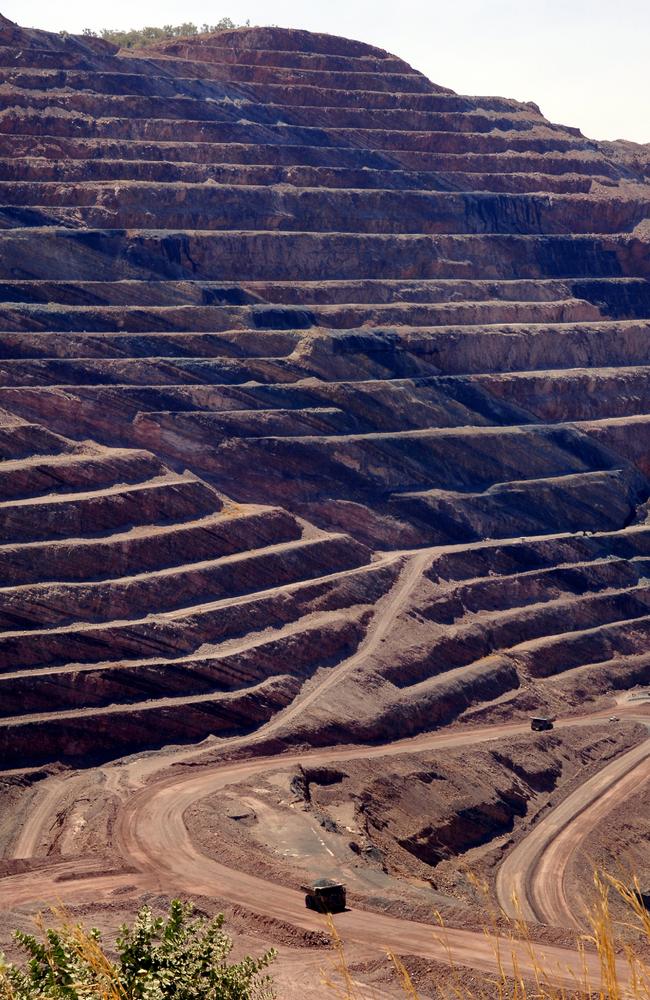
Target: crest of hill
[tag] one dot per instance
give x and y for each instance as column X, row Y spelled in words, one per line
column 296, row 40
column 260, row 41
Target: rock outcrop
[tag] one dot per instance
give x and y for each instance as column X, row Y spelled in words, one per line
column 276, row 308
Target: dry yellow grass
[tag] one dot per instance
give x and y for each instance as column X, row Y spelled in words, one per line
column 621, row 948
column 82, row 943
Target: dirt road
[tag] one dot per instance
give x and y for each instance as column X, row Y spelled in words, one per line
column 535, row 871
column 153, row 842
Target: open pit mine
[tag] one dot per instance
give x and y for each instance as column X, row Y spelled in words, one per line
column 325, row 440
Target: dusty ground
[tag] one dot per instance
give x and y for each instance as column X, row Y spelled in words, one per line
column 65, row 850
column 406, row 834
column 620, row 845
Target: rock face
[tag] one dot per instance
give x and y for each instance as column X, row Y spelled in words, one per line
column 412, row 813
column 275, row 308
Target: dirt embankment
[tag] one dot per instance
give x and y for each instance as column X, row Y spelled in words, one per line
column 619, row 845
column 410, row 830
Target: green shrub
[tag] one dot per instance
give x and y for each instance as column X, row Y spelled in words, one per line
column 180, row 957
column 139, row 37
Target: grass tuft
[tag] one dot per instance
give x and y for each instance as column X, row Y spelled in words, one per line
column 622, row 948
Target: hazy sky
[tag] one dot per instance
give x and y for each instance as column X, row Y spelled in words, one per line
column 585, row 62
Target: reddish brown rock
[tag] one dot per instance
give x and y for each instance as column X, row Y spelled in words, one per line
column 276, row 308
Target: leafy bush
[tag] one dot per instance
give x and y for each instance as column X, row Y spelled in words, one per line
column 139, row 37
column 180, row 957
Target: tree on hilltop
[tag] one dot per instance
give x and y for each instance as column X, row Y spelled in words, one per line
column 140, row 37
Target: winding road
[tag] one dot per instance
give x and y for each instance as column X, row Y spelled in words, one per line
column 158, row 853
column 534, row 873
column 156, row 847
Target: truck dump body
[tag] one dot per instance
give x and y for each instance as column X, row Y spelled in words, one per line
column 325, row 896
column 540, row 722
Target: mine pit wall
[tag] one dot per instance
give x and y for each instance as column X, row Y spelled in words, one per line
column 403, row 317
column 267, row 256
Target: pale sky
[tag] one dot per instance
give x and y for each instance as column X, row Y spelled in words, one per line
column 585, row 62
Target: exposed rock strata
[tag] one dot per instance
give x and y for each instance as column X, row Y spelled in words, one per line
column 273, row 305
